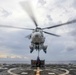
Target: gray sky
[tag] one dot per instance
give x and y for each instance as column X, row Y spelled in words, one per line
column 14, row 45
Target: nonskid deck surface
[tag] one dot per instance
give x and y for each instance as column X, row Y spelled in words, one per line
column 48, row 70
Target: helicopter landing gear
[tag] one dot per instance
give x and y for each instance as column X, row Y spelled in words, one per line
column 44, row 48
column 45, row 51
column 31, row 49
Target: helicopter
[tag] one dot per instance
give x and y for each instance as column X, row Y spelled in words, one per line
column 37, row 36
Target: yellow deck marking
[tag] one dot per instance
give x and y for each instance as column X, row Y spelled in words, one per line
column 37, row 71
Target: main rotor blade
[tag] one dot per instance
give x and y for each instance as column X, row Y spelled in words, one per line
column 6, row 26
column 51, row 34
column 27, row 7
column 69, row 22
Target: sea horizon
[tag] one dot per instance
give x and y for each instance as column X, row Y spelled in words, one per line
column 29, row 62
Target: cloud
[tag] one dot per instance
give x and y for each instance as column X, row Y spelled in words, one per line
column 50, row 12
column 70, row 49
column 3, row 56
column 42, row 2
column 13, row 56
column 4, row 13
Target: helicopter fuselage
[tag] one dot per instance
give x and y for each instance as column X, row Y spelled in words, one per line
column 37, row 40
column 37, row 37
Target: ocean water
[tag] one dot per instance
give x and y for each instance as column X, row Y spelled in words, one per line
column 15, row 62
column 29, row 62
column 18, row 61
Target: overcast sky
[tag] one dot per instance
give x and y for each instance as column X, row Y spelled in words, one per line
column 14, row 45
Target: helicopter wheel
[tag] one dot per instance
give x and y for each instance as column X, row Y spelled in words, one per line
column 44, row 48
column 31, row 49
